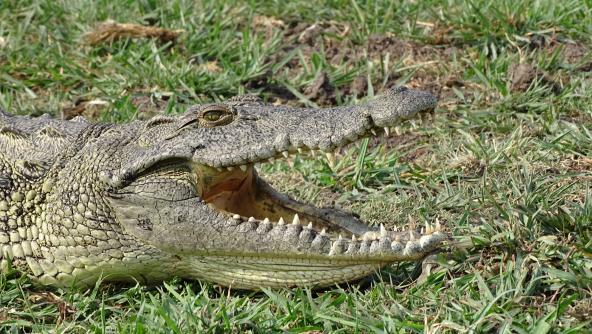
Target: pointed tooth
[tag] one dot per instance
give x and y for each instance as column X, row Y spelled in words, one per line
column 438, row 226
column 340, row 237
column 411, row 222
column 421, row 231
column 243, row 168
column 299, row 150
column 286, row 154
column 271, row 160
column 219, row 169
column 313, row 153
column 281, row 221
column 383, row 232
column 354, row 239
column 252, row 219
column 387, row 131
column 398, row 130
column 373, row 132
column 264, row 226
column 411, row 235
column 296, row 220
column 236, row 216
column 428, row 228
column 230, row 168
column 323, row 232
column 309, row 226
column 334, row 248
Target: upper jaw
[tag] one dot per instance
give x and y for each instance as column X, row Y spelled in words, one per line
column 263, row 133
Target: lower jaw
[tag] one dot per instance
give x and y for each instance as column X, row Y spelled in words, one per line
column 259, row 272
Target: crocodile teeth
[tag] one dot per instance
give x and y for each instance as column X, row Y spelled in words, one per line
column 373, row 132
column 299, row 150
column 271, row 160
column 313, row 153
column 286, row 154
column 323, row 232
column 438, row 226
column 266, row 221
column 309, row 226
column 337, row 246
column 411, row 222
column 243, row 168
column 411, row 235
column 281, row 221
column 387, row 131
column 236, row 216
column 219, row 169
column 354, row 239
column 252, row 219
column 230, row 168
column 383, row 232
column 296, row 220
column 428, row 228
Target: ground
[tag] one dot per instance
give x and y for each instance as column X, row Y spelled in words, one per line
column 505, row 165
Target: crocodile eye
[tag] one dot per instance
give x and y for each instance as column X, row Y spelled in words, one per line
column 213, row 115
column 216, row 115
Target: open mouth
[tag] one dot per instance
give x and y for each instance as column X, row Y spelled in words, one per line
column 239, row 192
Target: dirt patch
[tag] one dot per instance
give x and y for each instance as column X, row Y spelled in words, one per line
column 331, row 41
column 148, row 106
column 321, row 90
column 359, row 86
column 65, row 310
column 110, row 31
column 89, row 109
column 579, row 56
column 576, row 164
column 523, row 75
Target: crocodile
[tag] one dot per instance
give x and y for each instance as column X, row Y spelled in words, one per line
column 179, row 196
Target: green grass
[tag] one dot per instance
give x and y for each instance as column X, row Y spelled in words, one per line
column 507, row 171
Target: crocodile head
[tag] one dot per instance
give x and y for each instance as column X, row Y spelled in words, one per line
column 187, row 187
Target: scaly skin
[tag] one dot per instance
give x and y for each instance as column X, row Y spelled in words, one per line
column 179, row 196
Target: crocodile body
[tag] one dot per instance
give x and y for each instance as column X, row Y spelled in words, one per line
column 180, row 196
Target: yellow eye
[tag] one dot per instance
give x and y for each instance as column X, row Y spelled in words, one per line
column 213, row 115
